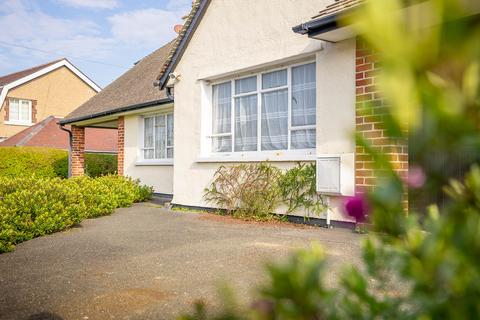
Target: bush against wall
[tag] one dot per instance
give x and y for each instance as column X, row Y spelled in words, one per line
column 50, row 163
column 256, row 190
column 99, row 164
column 299, row 190
column 246, row 190
column 31, row 207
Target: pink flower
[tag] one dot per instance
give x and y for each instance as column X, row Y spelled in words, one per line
column 357, row 208
column 416, row 177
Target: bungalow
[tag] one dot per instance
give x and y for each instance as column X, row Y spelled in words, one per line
column 144, row 118
column 246, row 89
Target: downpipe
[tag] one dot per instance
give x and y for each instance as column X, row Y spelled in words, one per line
column 70, row 142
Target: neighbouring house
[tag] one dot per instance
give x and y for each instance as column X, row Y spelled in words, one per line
column 47, row 133
column 247, row 88
column 52, row 89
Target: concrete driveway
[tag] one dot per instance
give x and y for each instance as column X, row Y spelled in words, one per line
column 146, row 262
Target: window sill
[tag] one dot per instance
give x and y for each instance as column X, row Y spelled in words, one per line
column 15, row 123
column 279, row 156
column 166, row 162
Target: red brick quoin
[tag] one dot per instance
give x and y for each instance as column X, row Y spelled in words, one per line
column 370, row 108
column 121, row 146
column 78, row 151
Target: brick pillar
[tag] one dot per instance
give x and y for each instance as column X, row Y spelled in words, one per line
column 121, row 145
column 370, row 109
column 78, row 151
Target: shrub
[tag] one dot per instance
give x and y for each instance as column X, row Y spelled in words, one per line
column 246, row 190
column 299, row 191
column 256, row 190
column 97, row 164
column 33, row 206
column 50, row 163
column 28, row 161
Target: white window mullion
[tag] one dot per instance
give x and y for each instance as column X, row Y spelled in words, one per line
column 232, row 127
column 289, row 85
column 259, row 113
column 306, row 127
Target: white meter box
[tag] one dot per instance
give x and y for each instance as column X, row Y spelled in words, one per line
column 328, row 175
column 336, row 174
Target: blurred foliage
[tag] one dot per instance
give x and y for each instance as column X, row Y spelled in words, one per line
column 424, row 264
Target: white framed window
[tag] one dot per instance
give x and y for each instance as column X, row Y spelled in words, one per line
column 157, row 137
column 19, row 111
column 268, row 111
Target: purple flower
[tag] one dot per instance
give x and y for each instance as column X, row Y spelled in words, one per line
column 416, row 177
column 357, row 208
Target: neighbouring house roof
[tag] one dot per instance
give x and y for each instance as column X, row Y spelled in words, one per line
column 16, row 79
column 327, row 19
column 191, row 22
column 47, row 133
column 133, row 89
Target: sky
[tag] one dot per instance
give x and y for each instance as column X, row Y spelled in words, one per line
column 103, row 38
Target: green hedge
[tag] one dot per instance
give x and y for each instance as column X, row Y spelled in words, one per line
column 31, row 207
column 50, row 163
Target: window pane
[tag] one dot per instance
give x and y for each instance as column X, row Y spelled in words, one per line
column 14, row 110
column 246, row 123
column 170, row 153
column 160, row 136
column 222, row 108
column 222, row 144
column 246, row 85
column 274, row 79
column 303, row 139
column 304, row 95
column 148, row 133
column 148, row 154
column 275, row 120
column 24, row 110
column 170, row 129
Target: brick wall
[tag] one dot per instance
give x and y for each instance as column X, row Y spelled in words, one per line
column 78, row 151
column 121, row 145
column 34, row 111
column 7, row 109
column 370, row 107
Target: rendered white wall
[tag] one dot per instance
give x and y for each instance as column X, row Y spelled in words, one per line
column 235, row 37
column 159, row 177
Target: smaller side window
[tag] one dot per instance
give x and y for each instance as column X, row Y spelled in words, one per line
column 157, row 137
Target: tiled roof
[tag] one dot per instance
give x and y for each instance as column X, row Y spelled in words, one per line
column 9, row 78
column 47, row 133
column 179, row 43
column 134, row 87
column 337, row 7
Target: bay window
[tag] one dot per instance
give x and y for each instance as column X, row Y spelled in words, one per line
column 157, row 137
column 274, row 110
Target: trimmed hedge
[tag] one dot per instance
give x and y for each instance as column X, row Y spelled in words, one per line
column 50, row 163
column 31, row 207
